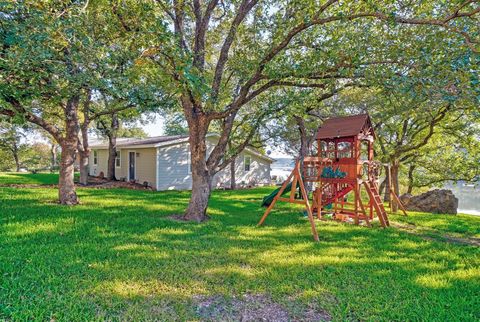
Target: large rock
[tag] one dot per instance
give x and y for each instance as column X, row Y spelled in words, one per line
column 440, row 201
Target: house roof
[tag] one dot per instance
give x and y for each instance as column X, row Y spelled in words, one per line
column 154, row 140
column 160, row 141
column 135, row 142
column 344, row 126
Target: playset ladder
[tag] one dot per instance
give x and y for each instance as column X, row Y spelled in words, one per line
column 377, row 202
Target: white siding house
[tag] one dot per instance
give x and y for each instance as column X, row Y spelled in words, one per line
column 164, row 163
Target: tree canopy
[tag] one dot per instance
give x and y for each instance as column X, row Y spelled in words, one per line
column 231, row 66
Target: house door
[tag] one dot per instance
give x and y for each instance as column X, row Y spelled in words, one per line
column 131, row 166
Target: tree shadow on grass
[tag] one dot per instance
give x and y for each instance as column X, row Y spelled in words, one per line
column 117, row 256
column 459, row 225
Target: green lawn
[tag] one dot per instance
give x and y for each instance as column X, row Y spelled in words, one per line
column 118, row 257
column 8, row 178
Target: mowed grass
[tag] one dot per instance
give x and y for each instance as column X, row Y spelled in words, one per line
column 117, row 256
column 17, row 178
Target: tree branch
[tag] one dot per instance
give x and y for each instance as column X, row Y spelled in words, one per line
column 18, row 109
column 320, row 21
column 431, row 131
column 178, row 23
column 201, row 25
column 243, row 10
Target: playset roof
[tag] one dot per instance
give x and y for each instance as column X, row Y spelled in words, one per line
column 344, row 126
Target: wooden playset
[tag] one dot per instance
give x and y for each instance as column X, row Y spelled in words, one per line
column 342, row 167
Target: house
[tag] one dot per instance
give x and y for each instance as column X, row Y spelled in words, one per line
column 163, row 162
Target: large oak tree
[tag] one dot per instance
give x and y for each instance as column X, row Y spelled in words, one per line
column 55, row 55
column 222, row 56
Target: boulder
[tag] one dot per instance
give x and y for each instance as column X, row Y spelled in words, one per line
column 440, row 201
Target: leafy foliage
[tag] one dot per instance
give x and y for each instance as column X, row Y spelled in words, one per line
column 175, row 124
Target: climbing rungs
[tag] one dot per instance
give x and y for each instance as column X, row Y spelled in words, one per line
column 377, row 203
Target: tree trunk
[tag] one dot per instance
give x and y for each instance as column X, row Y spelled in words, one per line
column 395, row 184
column 84, row 156
column 53, row 156
column 84, row 152
column 233, row 184
column 201, row 190
column 381, row 189
column 83, row 146
column 66, row 185
column 16, row 158
column 112, row 154
column 201, row 182
column 411, row 169
column 66, row 193
column 201, row 176
column 112, row 147
column 303, row 137
column 304, row 145
column 388, row 184
column 17, row 163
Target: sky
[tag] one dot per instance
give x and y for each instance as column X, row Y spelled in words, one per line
column 154, row 127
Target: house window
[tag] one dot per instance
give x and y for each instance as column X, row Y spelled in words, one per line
column 118, row 159
column 247, row 161
column 95, row 157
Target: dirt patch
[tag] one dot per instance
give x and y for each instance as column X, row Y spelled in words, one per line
column 314, row 314
column 433, row 235
column 252, row 307
column 99, row 183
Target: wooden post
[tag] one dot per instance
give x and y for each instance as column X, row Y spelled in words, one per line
column 334, row 193
column 370, row 204
column 355, row 197
column 358, row 193
column 307, row 205
column 294, row 188
column 319, row 200
column 297, row 177
column 399, row 203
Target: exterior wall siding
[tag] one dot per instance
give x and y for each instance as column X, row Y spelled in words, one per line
column 145, row 165
column 174, row 167
column 101, row 166
column 259, row 173
column 122, row 171
column 168, row 167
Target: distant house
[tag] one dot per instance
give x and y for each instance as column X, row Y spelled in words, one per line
column 164, row 163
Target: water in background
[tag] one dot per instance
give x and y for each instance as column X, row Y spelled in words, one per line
column 468, row 198
column 468, row 195
column 281, row 168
